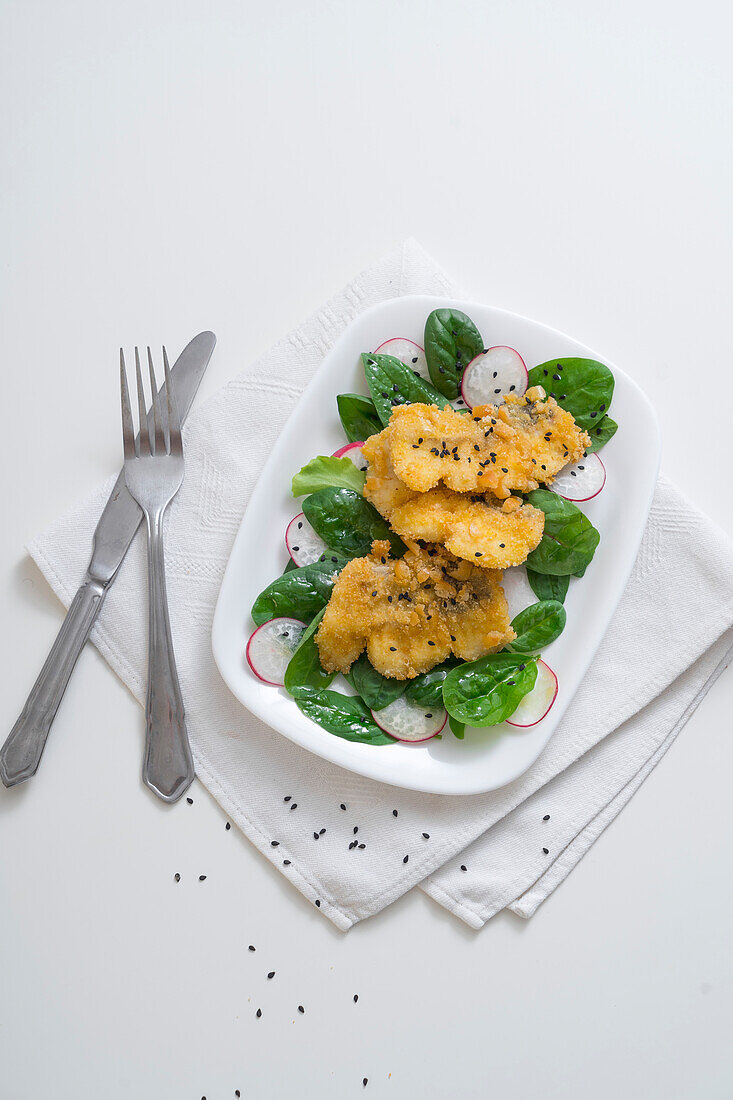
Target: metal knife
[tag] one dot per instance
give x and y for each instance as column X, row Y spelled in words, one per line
column 21, row 753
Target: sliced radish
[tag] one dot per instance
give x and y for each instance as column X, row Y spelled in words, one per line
column 491, row 375
column 406, row 721
column 408, row 352
column 517, row 590
column 581, row 481
column 354, row 452
column 304, row 545
column 537, row 703
column 271, row 646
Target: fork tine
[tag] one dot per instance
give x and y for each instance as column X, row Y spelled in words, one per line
column 128, row 430
column 145, row 447
column 161, row 447
column 174, row 421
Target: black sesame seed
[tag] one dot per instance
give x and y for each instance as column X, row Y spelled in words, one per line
column 287, row 798
column 286, row 863
column 463, row 867
column 431, row 643
column 356, row 997
column 202, row 878
column 271, row 974
column 296, row 548
column 546, row 817
column 177, row 877
column 361, row 845
column 393, row 649
column 364, row 1081
column 315, row 836
column 228, row 826
column 428, row 716
column 274, row 843
column 501, row 545
column 190, row 801
column 394, row 813
column 251, row 948
column 342, row 805
column 301, row 1010
column 294, row 806
column 356, row 829
column 478, row 554
column 318, row 903
column 405, row 859
column 426, row 836
column 258, row 1013
column 546, row 851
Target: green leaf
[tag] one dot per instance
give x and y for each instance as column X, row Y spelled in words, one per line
column 300, row 593
column 600, row 434
column 569, row 540
column 343, row 715
column 376, row 690
column 427, row 689
column 348, row 523
column 358, row 417
column 392, row 383
column 458, row 729
column 546, row 587
column 537, row 626
column 323, row 471
column 451, row 342
column 488, row 691
column 582, row 386
column 304, row 668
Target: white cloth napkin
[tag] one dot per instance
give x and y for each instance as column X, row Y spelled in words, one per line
column 635, row 698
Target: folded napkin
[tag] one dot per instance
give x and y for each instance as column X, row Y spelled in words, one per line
column 474, row 855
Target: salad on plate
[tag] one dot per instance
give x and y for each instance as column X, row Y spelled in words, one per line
column 460, row 466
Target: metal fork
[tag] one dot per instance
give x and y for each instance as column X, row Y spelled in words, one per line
column 154, row 472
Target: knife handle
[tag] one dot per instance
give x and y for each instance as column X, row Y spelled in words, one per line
column 22, row 751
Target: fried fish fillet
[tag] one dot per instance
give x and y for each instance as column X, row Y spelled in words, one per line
column 512, row 448
column 481, row 529
column 412, row 613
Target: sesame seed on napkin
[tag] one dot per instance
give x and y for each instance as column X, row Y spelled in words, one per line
column 475, row 855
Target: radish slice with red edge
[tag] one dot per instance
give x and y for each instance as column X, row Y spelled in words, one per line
column 581, row 481
column 304, row 545
column 406, row 721
column 538, row 702
column 270, row 648
column 491, row 375
column 408, row 352
column 352, row 451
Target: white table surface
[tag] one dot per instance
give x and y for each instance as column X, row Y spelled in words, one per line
column 173, row 166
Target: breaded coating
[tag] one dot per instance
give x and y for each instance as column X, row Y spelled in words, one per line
column 484, row 531
column 410, row 614
column 383, row 488
column 481, row 529
column 513, row 448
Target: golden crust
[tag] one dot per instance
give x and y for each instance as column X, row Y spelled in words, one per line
column 513, row 448
column 410, row 614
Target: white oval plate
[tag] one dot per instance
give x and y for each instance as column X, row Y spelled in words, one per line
column 487, row 758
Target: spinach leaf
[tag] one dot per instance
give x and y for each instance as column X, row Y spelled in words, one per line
column 485, row 692
column 304, row 668
column 601, row 433
column 323, row 471
column 451, row 342
column 458, row 729
column 300, row 592
column 546, row 587
column 427, row 690
column 392, row 383
column 358, row 417
column 582, row 386
column 376, row 690
column 348, row 523
column 537, row 626
column 343, row 715
column 569, row 540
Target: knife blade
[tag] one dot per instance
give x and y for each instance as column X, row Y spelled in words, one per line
column 122, row 515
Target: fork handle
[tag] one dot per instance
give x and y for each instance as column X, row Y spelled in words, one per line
column 168, row 767
column 22, row 751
